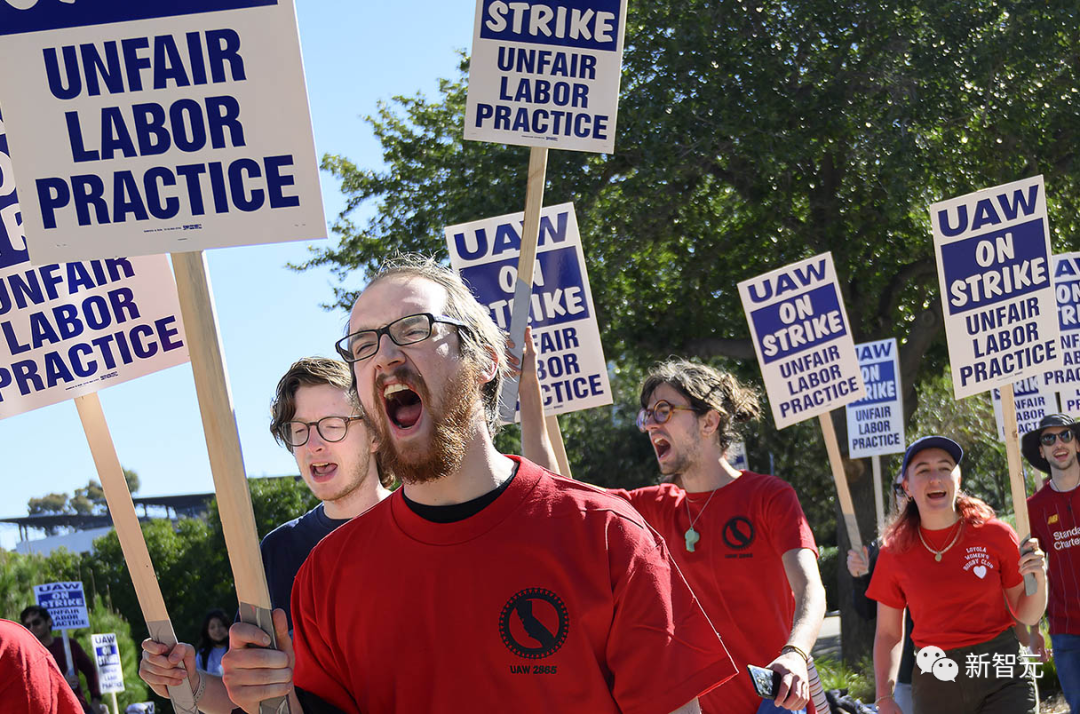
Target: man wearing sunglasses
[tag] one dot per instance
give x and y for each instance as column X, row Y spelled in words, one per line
column 740, row 538
column 1054, row 511
column 485, row 583
column 316, row 417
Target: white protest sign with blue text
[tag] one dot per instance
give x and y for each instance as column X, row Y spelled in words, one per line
column 1066, row 379
column 993, row 258
column 800, row 332
column 107, row 660
column 570, row 359
column 66, row 604
column 875, row 424
column 143, row 128
column 736, row 456
column 1034, row 400
column 546, row 73
column 68, row 329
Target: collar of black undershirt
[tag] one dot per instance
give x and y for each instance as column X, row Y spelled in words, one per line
column 457, row 511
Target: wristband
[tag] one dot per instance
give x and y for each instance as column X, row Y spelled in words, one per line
column 796, row 650
column 201, row 688
column 882, row 698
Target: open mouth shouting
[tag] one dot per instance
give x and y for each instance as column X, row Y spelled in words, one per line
column 403, row 406
column 661, row 445
column 323, row 471
column 936, row 496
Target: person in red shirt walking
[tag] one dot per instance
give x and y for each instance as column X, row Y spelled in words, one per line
column 1055, row 520
column 38, row 620
column 961, row 573
column 740, row 537
column 30, row 681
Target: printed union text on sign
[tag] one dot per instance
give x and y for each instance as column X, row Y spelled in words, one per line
column 875, row 423
column 66, row 604
column 107, row 660
column 69, row 329
column 1066, row 378
column 570, row 359
column 993, row 258
column 1033, row 399
column 167, row 129
column 800, row 332
column 546, row 73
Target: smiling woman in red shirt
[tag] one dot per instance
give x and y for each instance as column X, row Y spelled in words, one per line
column 961, row 572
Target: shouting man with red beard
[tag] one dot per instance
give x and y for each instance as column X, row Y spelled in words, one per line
column 485, row 583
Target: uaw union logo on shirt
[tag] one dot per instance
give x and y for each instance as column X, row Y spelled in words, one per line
column 534, row 624
column 977, row 561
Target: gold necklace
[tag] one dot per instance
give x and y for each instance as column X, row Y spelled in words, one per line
column 939, row 553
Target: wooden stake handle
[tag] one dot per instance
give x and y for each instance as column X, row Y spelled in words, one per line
column 557, row 445
column 879, row 498
column 132, row 543
column 1016, row 475
column 847, row 508
column 223, row 445
column 530, row 233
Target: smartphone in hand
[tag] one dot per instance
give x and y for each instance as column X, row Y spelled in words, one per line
column 766, row 681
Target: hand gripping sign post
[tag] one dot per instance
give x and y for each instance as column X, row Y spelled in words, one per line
column 807, row 356
column 1066, row 379
column 147, row 128
column 110, row 670
column 70, row 329
column 66, row 603
column 993, row 257
column 570, row 359
column 543, row 74
column 875, row 424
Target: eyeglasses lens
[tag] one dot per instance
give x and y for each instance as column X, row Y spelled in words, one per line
column 1048, row 439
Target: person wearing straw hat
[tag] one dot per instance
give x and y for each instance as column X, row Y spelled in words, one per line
column 741, row 538
column 1054, row 511
column 484, row 583
column 961, row 573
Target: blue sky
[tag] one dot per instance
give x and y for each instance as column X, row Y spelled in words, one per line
column 355, row 53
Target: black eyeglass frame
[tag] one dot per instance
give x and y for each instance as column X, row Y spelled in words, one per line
column 1048, row 438
column 646, row 415
column 342, row 345
column 285, row 434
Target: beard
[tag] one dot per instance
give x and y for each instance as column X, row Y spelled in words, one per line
column 353, row 480
column 452, row 421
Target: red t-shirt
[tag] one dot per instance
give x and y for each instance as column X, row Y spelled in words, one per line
column 30, row 681
column 555, row 597
column 959, row 601
column 736, row 568
column 1055, row 521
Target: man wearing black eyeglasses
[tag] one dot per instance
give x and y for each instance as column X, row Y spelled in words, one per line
column 485, row 583
column 740, row 538
column 315, row 415
column 1054, row 511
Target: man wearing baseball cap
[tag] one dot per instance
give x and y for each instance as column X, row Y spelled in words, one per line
column 1055, row 520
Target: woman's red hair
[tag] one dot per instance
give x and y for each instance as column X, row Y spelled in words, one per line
column 902, row 531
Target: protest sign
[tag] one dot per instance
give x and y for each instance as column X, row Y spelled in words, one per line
column 799, row 328
column 66, row 604
column 875, row 424
column 107, row 660
column 1033, row 399
column 70, row 329
column 993, row 257
column 736, row 456
column 148, row 128
column 570, row 359
column 804, row 347
column 1066, row 379
column 546, row 74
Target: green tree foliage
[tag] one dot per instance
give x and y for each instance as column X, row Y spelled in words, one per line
column 751, row 135
column 50, row 503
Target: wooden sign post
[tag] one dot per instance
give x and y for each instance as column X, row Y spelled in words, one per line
column 847, row 508
column 879, row 496
column 1018, row 489
column 126, row 522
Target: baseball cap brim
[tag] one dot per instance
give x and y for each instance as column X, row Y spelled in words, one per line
column 932, row 442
